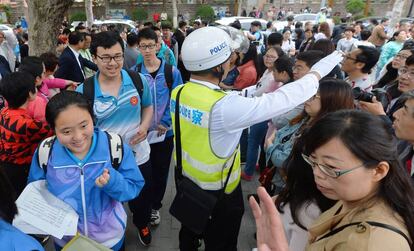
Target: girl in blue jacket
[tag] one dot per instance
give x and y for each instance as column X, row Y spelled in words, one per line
column 79, row 171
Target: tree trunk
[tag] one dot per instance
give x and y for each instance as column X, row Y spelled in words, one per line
column 175, row 13
column 106, row 8
column 45, row 17
column 89, row 13
column 397, row 11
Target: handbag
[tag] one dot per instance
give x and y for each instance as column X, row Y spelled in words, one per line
column 265, row 179
column 192, row 206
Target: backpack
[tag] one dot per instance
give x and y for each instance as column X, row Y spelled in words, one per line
column 116, row 150
column 89, row 87
column 167, row 73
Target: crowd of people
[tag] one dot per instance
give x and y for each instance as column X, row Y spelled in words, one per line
column 324, row 111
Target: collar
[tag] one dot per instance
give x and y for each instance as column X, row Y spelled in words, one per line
column 82, row 162
column 14, row 112
column 125, row 81
column 74, row 51
column 205, row 83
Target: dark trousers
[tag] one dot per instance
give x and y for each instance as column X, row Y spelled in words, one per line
column 223, row 229
column 160, row 164
column 141, row 205
column 17, row 175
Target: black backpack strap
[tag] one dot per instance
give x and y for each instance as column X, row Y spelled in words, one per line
column 89, row 90
column 372, row 223
column 138, row 68
column 389, row 227
column 136, row 79
column 168, row 75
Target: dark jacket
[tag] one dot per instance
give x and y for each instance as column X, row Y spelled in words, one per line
column 337, row 32
column 69, row 68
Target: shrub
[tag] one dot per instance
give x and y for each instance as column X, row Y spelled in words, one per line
column 78, row 16
column 355, row 6
column 140, row 14
column 205, row 12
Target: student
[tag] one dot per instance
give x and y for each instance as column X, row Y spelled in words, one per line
column 12, row 238
column 157, row 73
column 79, row 164
column 375, row 195
column 51, row 85
column 123, row 108
column 34, row 66
column 20, row 133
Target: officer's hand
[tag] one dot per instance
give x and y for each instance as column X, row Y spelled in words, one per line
column 374, row 108
column 102, row 180
column 269, row 226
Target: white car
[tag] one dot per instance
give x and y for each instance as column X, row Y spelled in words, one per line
column 120, row 24
column 303, row 18
column 244, row 21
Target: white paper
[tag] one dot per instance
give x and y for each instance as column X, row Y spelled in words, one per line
column 153, row 137
column 40, row 212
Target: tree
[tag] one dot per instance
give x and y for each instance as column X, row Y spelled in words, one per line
column 396, row 13
column 355, row 6
column 89, row 13
column 205, row 12
column 175, row 13
column 45, row 19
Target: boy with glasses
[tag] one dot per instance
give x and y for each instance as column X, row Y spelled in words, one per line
column 162, row 78
column 121, row 108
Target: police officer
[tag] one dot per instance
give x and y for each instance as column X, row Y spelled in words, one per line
column 211, row 123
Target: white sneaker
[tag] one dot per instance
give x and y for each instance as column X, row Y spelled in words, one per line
column 155, row 217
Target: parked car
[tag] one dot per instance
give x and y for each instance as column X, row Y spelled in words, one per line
column 244, row 21
column 303, row 18
column 120, row 24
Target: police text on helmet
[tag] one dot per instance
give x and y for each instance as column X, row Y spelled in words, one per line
column 218, row 48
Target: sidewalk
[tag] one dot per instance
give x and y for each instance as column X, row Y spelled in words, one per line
column 165, row 235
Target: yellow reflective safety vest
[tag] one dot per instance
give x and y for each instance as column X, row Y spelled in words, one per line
column 200, row 163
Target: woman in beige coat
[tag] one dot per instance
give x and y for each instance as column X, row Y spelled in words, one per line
column 354, row 161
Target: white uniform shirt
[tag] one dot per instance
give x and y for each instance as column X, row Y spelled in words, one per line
column 233, row 113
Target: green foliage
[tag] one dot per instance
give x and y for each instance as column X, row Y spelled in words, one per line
column 140, row 14
column 6, row 9
column 355, row 6
column 205, row 12
column 78, row 16
column 336, row 20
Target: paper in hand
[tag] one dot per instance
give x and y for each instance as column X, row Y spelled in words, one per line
column 40, row 212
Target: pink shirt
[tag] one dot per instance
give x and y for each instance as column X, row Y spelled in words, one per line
column 247, row 76
column 50, row 83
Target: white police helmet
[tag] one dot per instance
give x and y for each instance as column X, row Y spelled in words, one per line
column 205, row 48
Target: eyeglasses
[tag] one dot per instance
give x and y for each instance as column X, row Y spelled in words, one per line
column 270, row 57
column 107, row 59
column 403, row 71
column 146, row 46
column 329, row 171
column 402, row 56
column 346, row 56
